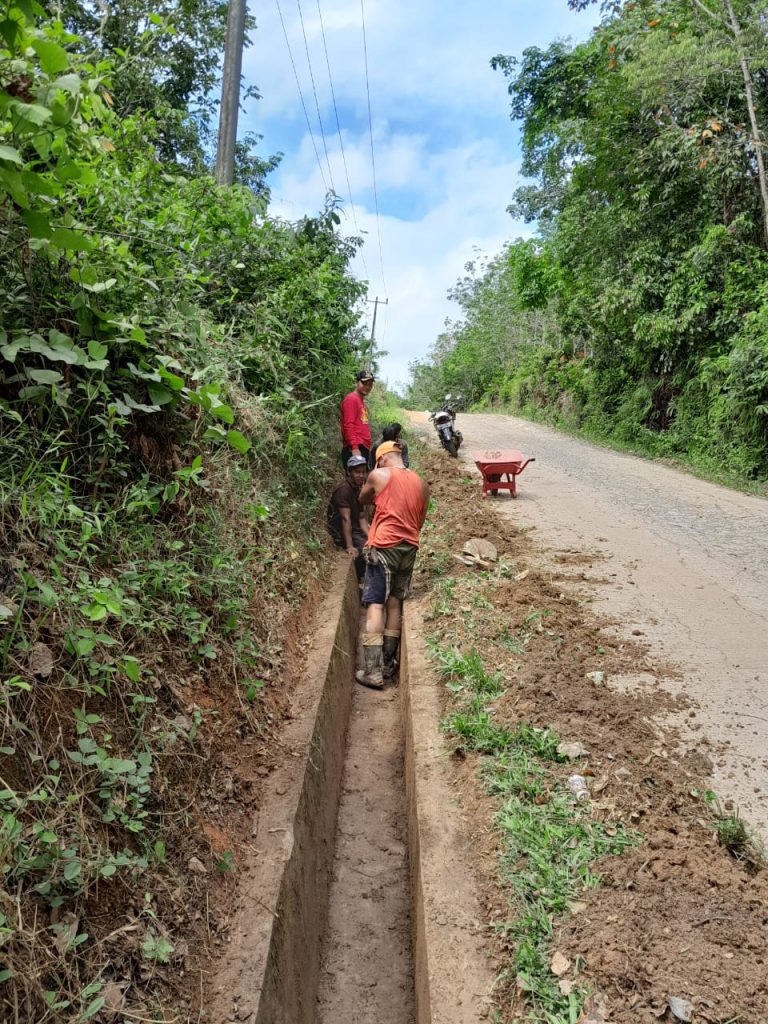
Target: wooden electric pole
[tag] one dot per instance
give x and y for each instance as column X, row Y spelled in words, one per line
column 376, row 303
column 230, row 92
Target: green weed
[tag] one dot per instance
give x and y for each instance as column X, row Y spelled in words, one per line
column 468, row 669
column 444, row 601
column 226, row 863
column 549, row 844
column 732, row 833
column 384, row 408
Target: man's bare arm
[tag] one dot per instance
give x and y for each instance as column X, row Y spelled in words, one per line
column 376, row 481
column 346, row 529
column 425, row 495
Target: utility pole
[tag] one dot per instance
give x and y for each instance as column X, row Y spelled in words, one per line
column 376, row 303
column 230, row 92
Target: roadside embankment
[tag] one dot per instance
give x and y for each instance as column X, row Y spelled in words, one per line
column 647, row 894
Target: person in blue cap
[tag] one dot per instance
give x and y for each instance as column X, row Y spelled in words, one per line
column 347, row 523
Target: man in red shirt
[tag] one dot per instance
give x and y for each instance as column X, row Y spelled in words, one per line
column 355, row 428
column 401, row 499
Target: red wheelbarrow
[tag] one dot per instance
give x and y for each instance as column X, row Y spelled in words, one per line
column 497, row 463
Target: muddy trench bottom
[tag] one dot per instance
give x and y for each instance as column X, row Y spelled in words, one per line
column 367, row 971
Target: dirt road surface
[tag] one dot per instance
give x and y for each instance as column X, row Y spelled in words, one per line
column 685, row 564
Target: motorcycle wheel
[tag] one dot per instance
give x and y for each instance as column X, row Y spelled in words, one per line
column 455, row 443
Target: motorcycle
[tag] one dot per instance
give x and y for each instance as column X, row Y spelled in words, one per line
column 444, row 422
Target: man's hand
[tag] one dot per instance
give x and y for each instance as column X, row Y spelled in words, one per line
column 353, row 552
column 356, row 451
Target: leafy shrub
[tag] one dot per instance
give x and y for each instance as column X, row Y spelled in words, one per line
column 170, row 364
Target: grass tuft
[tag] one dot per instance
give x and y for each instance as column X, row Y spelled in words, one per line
column 732, row 833
column 548, row 844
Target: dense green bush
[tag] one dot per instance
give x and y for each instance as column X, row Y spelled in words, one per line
column 171, row 358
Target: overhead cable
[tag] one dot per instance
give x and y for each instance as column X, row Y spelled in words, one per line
column 373, row 158
column 314, row 91
column 338, row 130
column 301, row 97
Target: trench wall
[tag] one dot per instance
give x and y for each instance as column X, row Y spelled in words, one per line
column 272, row 970
column 270, row 973
column 454, row 978
column 292, row 971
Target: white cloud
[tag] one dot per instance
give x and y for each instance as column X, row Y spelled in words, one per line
column 435, row 50
column 425, row 257
column 464, row 191
column 447, row 157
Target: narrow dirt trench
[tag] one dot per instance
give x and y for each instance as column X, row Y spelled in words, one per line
column 367, row 963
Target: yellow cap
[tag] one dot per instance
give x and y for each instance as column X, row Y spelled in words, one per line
column 385, row 448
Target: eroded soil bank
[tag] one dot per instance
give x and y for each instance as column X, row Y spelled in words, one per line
column 675, row 916
column 681, row 559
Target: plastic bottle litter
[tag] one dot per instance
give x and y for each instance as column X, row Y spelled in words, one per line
column 578, row 788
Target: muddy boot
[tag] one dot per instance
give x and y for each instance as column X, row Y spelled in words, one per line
column 391, row 653
column 372, row 674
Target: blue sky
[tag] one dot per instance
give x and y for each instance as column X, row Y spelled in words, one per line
column 447, row 155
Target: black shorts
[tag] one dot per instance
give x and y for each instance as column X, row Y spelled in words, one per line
column 347, row 452
column 388, row 573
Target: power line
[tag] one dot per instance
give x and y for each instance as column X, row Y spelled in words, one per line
column 314, row 90
column 386, row 325
column 338, row 130
column 373, row 158
column 301, row 97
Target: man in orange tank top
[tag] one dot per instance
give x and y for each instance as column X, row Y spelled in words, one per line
column 401, row 499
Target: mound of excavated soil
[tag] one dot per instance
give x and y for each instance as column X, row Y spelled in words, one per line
column 677, row 916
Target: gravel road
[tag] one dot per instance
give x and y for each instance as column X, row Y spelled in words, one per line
column 687, row 566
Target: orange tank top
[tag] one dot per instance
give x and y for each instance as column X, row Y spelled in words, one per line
column 400, row 509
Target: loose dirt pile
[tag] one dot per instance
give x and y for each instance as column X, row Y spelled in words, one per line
column 677, row 916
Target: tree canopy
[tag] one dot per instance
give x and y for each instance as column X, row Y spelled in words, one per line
column 644, row 149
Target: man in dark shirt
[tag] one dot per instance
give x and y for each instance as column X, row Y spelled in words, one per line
column 347, row 524
column 390, row 433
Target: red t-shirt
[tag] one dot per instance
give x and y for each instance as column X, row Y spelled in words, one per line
column 400, row 508
column 355, row 429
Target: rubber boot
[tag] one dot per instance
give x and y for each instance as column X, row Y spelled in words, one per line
column 372, row 675
column 391, row 652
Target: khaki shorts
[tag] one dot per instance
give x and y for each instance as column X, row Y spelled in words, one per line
column 388, row 573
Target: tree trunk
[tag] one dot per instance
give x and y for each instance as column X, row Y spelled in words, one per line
column 736, row 29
